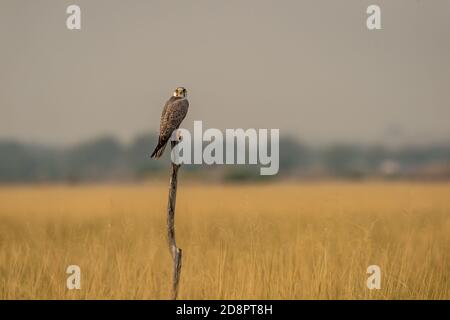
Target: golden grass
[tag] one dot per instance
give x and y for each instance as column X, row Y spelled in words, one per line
column 282, row 241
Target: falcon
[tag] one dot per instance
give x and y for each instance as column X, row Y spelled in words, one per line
column 173, row 114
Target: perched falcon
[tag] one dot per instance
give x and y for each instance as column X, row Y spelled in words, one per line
column 173, row 114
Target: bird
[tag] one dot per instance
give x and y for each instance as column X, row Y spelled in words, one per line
column 173, row 114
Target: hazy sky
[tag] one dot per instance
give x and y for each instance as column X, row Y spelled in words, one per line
column 310, row 68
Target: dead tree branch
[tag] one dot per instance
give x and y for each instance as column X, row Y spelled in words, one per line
column 174, row 250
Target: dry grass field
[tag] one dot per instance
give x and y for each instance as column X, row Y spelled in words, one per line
column 277, row 241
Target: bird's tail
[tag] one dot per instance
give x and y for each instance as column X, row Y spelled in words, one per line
column 159, row 150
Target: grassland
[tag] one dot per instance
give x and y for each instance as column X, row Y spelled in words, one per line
column 280, row 241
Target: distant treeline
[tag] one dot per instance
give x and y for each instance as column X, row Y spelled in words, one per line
column 107, row 159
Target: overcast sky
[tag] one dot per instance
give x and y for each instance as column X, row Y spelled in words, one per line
column 310, row 68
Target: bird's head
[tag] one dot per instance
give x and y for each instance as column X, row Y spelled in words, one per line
column 180, row 92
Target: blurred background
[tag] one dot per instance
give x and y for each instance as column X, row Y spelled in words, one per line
column 350, row 103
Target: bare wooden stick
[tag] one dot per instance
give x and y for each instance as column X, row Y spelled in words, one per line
column 174, row 250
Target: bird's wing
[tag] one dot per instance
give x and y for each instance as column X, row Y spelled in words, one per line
column 164, row 115
column 173, row 114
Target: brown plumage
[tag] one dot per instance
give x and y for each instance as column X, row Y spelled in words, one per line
column 173, row 114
